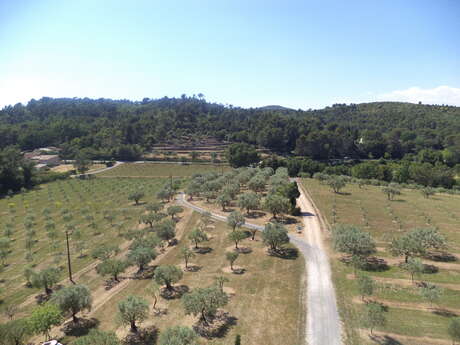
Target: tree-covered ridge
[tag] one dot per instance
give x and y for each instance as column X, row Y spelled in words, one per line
column 121, row 128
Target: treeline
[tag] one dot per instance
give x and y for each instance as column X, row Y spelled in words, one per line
column 403, row 171
column 123, row 129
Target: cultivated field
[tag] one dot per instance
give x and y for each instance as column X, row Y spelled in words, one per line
column 265, row 293
column 410, row 318
column 161, row 170
column 98, row 209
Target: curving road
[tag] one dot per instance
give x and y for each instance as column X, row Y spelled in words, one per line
column 323, row 322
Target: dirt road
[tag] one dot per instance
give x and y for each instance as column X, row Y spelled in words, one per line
column 323, row 323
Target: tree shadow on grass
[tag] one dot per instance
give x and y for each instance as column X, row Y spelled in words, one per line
column 430, row 269
column 217, row 327
column 79, row 328
column 444, row 313
column 145, row 336
column 176, row 292
column 285, row 253
column 441, row 257
column 375, row 264
column 202, row 250
column 192, row 268
column 255, row 214
column 384, row 340
column 146, row 273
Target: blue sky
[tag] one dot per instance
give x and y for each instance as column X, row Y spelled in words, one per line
column 300, row 54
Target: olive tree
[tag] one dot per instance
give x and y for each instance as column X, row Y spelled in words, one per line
column 112, row 267
column 178, row 335
column 132, row 310
column 45, row 279
column 204, row 302
column 391, row 190
column 73, row 299
column 44, row 317
column 105, row 251
column 275, row 236
column 141, row 256
column 173, row 210
column 352, row 240
column 168, row 275
column 154, row 290
column 154, row 207
column 374, row 316
column 197, row 236
column 136, row 196
column 15, row 332
column 427, row 192
column 337, row 183
column 186, row 254
column 431, row 293
column 414, row 266
column 237, row 236
column 366, row 285
column 166, row 230
column 257, row 183
column 417, row 242
column 223, row 200
column 235, row 220
column 276, row 204
column 220, row 281
column 231, row 257
column 248, row 201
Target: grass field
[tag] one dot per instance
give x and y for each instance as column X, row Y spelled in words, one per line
column 409, row 314
column 161, row 170
column 84, row 203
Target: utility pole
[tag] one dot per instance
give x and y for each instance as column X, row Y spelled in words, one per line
column 68, row 257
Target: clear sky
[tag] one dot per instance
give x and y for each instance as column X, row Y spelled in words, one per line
column 300, row 54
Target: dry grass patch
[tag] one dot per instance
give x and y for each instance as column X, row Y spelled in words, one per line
column 262, row 299
column 369, row 209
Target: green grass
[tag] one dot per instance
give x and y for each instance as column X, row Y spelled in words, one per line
column 369, row 209
column 162, row 170
column 80, row 197
column 267, row 296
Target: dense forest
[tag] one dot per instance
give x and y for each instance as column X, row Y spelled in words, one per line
column 124, row 130
column 106, row 128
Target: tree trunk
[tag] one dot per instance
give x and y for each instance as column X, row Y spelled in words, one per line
column 253, row 235
column 406, row 258
column 236, row 245
column 231, row 265
column 186, row 263
column 115, row 277
column 74, row 317
column 48, row 290
column 133, row 326
column 169, row 286
column 155, row 302
column 203, row 316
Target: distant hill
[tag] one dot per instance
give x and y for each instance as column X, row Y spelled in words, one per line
column 274, row 107
column 106, row 128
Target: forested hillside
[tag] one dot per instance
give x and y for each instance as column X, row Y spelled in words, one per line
column 123, row 129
